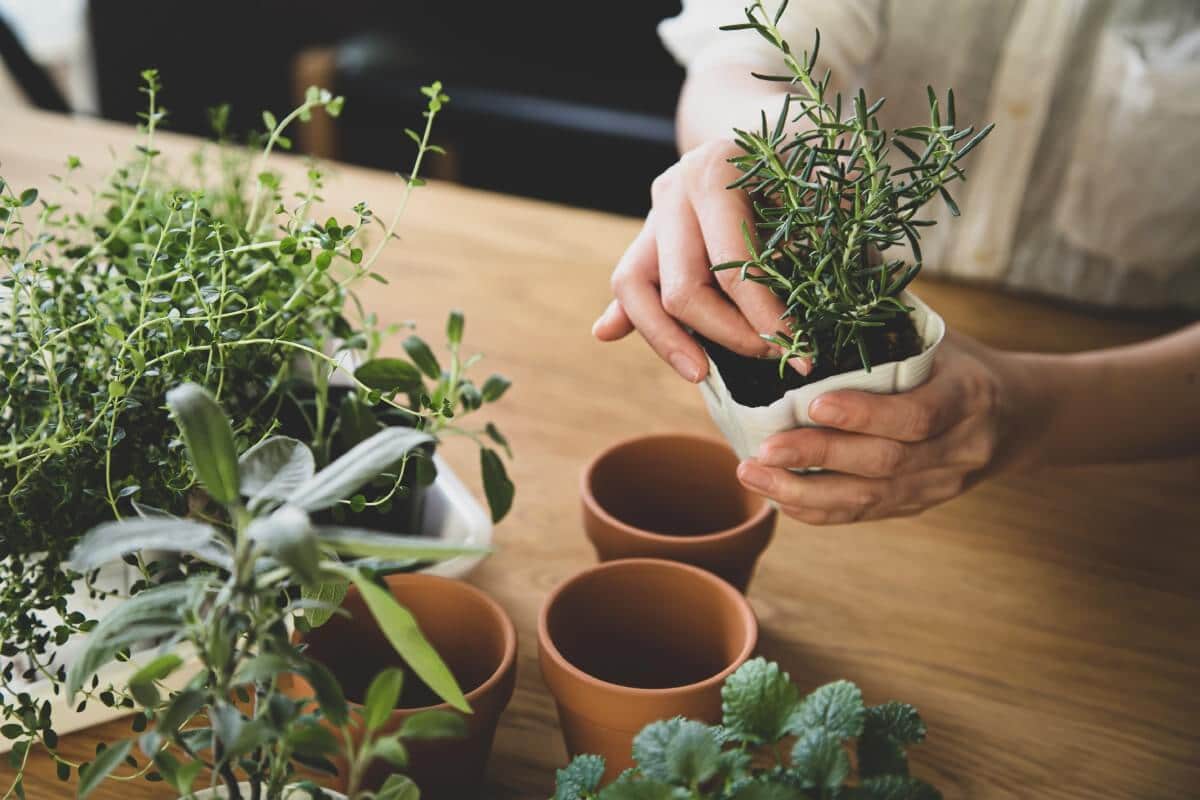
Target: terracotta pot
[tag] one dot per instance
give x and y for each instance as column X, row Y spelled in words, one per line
column 675, row 496
column 477, row 640
column 626, row 643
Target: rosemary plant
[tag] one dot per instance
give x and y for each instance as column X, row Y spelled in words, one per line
column 215, row 275
column 829, row 205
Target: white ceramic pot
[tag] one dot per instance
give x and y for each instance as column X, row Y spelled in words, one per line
column 746, row 427
column 219, row 793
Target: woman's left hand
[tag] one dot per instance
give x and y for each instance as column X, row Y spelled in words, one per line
column 897, row 455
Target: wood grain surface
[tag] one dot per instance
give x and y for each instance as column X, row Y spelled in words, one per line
column 1046, row 624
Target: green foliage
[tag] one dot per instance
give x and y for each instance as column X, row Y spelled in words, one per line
column 218, row 275
column 231, row 612
column 829, row 205
column 743, row 758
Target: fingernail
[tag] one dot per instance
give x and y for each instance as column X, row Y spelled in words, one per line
column 596, row 325
column 685, row 366
column 826, row 412
column 753, row 475
column 801, row 365
column 779, row 457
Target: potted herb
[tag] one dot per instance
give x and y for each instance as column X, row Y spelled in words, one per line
column 831, row 210
column 250, row 560
column 772, row 745
column 217, row 276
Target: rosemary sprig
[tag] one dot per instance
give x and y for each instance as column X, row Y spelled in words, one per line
column 829, row 205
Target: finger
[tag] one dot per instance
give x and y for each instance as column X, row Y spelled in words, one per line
column 638, row 295
column 913, row 416
column 849, row 453
column 830, row 492
column 613, row 324
column 725, row 216
column 689, row 292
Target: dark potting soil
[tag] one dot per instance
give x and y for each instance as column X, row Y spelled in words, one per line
column 756, row 381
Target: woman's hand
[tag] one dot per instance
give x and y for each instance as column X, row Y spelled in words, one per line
column 664, row 281
column 897, row 455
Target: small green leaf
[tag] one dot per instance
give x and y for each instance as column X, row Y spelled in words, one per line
column 391, row 750
column 269, row 121
column 383, row 695
column 331, row 593
column 29, row 197
column 422, row 356
column 454, row 328
column 364, row 462
column 209, row 440
column 273, row 468
column 496, row 484
column 105, row 762
column 580, row 778
column 693, row 754
column 398, row 787
column 287, row 534
column 142, row 681
column 758, row 701
column 389, row 375
column 819, row 760
column 434, row 724
column 495, row 387
column 400, row 628
column 835, row 707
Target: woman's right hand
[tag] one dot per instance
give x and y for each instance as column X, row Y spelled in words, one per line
column 664, row 281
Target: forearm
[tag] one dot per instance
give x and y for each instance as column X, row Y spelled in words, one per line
column 719, row 95
column 1123, row 404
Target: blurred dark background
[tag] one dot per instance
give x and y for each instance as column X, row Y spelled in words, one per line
column 569, row 102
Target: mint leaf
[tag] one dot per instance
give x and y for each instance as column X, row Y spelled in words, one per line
column 881, row 755
column 896, row 720
column 819, row 760
column 757, row 702
column 894, row 787
column 835, row 707
column 580, row 778
column 767, row 791
column 628, row 788
column 650, row 747
column 886, row 729
column 693, row 754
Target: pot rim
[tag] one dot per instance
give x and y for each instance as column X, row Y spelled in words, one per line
column 550, row 650
column 765, row 509
column 508, row 630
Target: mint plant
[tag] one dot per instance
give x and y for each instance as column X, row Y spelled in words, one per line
column 829, row 206
column 242, row 586
column 773, row 744
column 216, row 274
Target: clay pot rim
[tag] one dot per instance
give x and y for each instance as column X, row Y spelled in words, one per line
column 765, row 509
column 508, row 629
column 737, row 599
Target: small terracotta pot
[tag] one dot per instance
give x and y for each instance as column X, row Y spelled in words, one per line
column 474, row 637
column 676, row 496
column 626, row 643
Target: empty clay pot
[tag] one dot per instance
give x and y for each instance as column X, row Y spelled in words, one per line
column 474, row 637
column 625, row 643
column 676, row 496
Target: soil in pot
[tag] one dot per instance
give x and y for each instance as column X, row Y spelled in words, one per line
column 756, row 381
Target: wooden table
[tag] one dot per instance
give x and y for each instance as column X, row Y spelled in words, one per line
column 1046, row 624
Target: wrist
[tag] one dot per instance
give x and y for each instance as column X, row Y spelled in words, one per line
column 1030, row 402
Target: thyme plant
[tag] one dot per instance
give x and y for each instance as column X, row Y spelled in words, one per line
column 830, row 206
column 230, row 720
column 215, row 274
column 772, row 744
